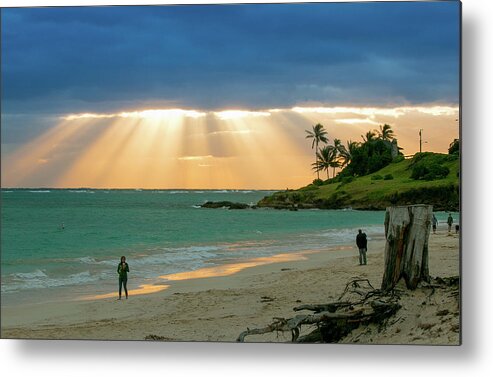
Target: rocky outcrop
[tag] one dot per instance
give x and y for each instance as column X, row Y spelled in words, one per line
column 227, row 204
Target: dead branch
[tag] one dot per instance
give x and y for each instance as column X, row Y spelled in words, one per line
column 335, row 320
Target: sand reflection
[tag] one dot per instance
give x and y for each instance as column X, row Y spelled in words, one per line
column 144, row 289
column 233, row 268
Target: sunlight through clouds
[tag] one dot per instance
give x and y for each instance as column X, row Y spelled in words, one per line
column 236, row 114
column 193, row 148
column 144, row 114
column 356, row 121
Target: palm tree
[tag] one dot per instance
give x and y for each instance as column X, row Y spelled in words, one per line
column 351, row 148
column 370, row 136
column 386, row 132
column 348, row 152
column 323, row 160
column 318, row 134
column 340, row 155
column 337, row 144
column 344, row 155
column 334, row 161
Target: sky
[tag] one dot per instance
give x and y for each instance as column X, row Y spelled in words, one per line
column 217, row 96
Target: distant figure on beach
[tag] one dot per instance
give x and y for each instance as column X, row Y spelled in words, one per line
column 122, row 277
column 450, row 221
column 457, row 229
column 361, row 242
column 435, row 223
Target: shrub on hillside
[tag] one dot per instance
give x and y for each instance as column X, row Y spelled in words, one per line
column 428, row 158
column 388, row 177
column 428, row 166
column 429, row 172
column 442, row 197
column 398, row 158
column 376, row 177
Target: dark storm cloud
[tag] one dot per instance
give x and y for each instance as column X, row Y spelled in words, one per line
column 102, row 59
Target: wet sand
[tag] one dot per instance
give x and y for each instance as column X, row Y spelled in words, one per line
column 202, row 307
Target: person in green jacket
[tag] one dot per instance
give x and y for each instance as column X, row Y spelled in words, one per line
column 122, row 277
column 450, row 221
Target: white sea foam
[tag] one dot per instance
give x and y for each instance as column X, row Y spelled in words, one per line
column 162, row 256
column 89, row 260
column 39, row 191
column 38, row 279
column 348, row 235
column 36, row 274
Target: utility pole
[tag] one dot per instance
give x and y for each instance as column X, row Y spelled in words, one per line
column 420, row 139
column 421, row 142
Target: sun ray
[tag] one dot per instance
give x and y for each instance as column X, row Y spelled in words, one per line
column 176, row 148
column 57, row 148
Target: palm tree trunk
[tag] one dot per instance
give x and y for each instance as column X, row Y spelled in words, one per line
column 316, row 158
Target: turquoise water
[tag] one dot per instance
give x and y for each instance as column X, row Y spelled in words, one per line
column 159, row 231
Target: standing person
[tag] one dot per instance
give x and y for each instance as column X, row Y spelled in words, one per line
column 122, row 277
column 450, row 221
column 435, row 223
column 361, row 242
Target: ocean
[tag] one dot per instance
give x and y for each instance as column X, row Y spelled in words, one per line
column 63, row 244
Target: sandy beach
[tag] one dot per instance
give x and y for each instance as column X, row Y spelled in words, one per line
column 250, row 294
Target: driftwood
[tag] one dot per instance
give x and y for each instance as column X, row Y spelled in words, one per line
column 407, row 229
column 358, row 304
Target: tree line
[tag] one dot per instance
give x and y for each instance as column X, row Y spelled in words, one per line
column 378, row 149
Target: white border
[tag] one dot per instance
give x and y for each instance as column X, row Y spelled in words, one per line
column 85, row 358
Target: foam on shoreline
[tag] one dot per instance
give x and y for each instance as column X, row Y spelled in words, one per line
column 219, row 305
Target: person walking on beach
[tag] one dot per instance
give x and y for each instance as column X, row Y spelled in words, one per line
column 122, row 277
column 361, row 242
column 450, row 221
column 435, row 223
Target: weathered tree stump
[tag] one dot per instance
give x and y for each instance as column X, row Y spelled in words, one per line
column 407, row 229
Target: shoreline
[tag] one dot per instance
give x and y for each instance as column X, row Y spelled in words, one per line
column 212, row 277
column 218, row 308
column 160, row 282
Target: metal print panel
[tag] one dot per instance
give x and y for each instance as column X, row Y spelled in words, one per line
column 195, row 173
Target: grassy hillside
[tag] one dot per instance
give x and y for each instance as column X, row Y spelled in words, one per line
column 391, row 185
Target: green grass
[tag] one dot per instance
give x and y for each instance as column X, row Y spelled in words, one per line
column 365, row 192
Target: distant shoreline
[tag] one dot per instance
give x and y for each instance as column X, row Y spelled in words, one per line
column 128, row 189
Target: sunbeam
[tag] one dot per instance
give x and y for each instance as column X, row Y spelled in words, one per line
column 176, row 148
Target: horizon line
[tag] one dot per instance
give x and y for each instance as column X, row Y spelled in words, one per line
column 140, row 189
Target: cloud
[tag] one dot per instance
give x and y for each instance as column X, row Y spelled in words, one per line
column 238, row 114
column 143, row 114
column 94, row 59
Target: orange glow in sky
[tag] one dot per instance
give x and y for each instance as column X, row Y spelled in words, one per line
column 228, row 149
